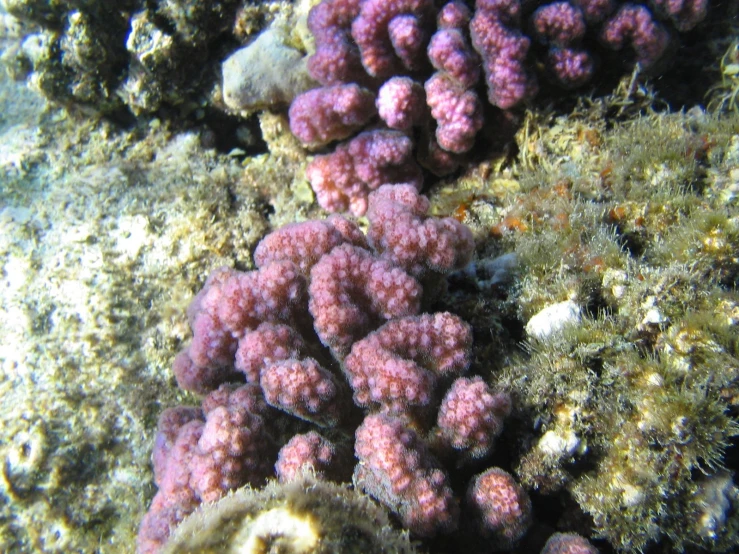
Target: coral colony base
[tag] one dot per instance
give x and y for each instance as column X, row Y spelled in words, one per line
column 552, row 369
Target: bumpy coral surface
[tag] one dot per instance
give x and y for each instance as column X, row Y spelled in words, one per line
column 568, row 543
column 344, row 179
column 351, row 290
column 256, row 325
column 398, row 365
column 502, row 506
column 324, row 115
column 302, row 388
column 372, row 43
column 309, row 452
column 400, row 103
column 395, row 468
column 471, row 415
column 305, row 243
column 200, row 457
column 401, row 231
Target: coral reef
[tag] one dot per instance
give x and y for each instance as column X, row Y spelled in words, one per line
column 395, row 467
column 310, row 452
column 601, row 298
column 471, row 416
column 568, row 543
column 398, row 365
column 201, row 456
column 502, row 508
column 323, row 115
column 344, row 179
column 400, row 232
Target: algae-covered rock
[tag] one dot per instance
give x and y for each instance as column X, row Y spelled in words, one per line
column 195, row 21
column 139, row 57
column 153, row 56
column 113, row 55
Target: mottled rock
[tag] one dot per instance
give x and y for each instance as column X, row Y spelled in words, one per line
column 265, row 73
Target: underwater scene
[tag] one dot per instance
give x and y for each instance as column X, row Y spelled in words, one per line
column 369, row 276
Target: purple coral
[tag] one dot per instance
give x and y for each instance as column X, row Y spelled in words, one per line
column 684, row 14
column 303, row 389
column 396, row 367
column 388, row 38
column 265, row 345
column 306, row 242
column 231, row 449
column 408, row 38
column 199, row 457
column 258, row 322
column 450, row 52
column 203, row 378
column 336, row 59
column 457, row 111
column 242, row 301
column 454, row 15
column 401, row 103
column 230, row 304
column 398, row 44
column 343, row 179
column 471, row 416
column 395, row 468
column 502, row 507
column 571, row 67
column 351, row 290
column 562, row 26
column 309, row 452
column 326, row 114
column 455, row 107
column 504, row 52
column 434, row 158
column 401, row 232
column 559, row 23
column 595, row 11
column 171, row 421
column 214, row 344
column 633, row 25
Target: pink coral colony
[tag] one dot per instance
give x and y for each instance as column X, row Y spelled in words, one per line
column 427, row 71
column 328, row 332
column 329, row 314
